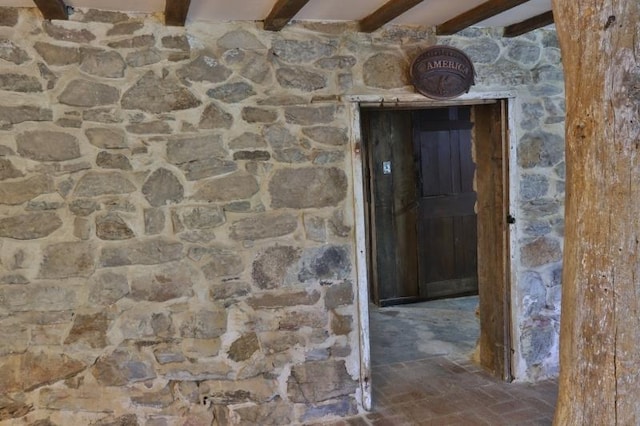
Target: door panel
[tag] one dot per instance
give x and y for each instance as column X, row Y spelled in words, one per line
column 394, row 205
column 447, row 241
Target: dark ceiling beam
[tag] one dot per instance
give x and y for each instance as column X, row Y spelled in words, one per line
column 477, row 14
column 281, row 13
column 530, row 24
column 175, row 12
column 52, row 9
column 389, row 11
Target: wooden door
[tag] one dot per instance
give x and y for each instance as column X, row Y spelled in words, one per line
column 447, row 230
column 392, row 202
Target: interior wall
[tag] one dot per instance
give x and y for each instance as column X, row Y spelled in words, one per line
column 176, row 219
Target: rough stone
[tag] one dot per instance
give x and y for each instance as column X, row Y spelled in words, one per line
column 104, row 16
column 228, row 290
column 42, row 297
column 85, row 93
column 8, row 16
column 483, row 50
column 125, row 28
column 232, row 92
column 256, row 69
column 341, row 325
column 157, row 95
column 205, row 68
column 64, row 34
column 94, row 184
column 8, row 170
column 385, row 71
column 537, row 343
column 143, row 57
column 42, row 145
column 200, row 217
column 18, row 114
column 149, row 127
column 205, row 324
column 208, row 167
column 146, row 252
column 69, row 259
column 301, row 51
column 28, row 371
column 270, row 267
column 83, row 207
column 283, row 300
column 237, row 186
column 160, row 399
column 524, row 52
column 214, row 117
column 307, row 187
column 327, row 135
column 336, row 62
column 533, row 187
column 223, row 264
column 30, row 226
column 338, row 295
column 244, row 347
column 252, row 155
column 293, row 321
column 179, row 41
column 19, row 83
column 540, row 149
column 111, row 226
column 300, row 79
column 162, row 187
column 103, row 64
column 279, row 137
column 57, row 55
column 168, row 282
column 102, row 115
column 141, row 41
column 12, row 53
column 240, row 39
column 247, row 140
column 328, row 262
column 315, row 228
column 153, row 221
column 540, row 251
column 106, row 138
column 192, row 148
column 106, row 288
column 273, row 413
column 319, row 381
column 124, row 366
column 107, row 160
column 306, row 115
column 90, row 330
column 258, row 115
column 266, row 225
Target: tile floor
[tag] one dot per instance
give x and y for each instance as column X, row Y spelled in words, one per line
column 438, row 384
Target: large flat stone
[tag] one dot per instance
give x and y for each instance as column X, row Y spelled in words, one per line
column 308, row 187
column 69, row 259
column 145, row 252
column 41, row 145
column 237, row 186
column 28, row 371
column 191, row 148
column 162, row 187
column 85, row 93
column 159, row 284
column 18, row 114
column 319, row 381
column 106, row 137
column 205, row 68
column 30, row 226
column 266, row 225
column 94, row 184
column 156, row 95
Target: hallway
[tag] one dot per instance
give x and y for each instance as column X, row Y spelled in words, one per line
column 422, row 372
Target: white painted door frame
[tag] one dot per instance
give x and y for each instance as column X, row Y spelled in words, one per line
column 356, row 102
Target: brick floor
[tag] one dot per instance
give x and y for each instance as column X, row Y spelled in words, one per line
column 440, row 391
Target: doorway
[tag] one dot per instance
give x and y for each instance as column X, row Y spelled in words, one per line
column 436, row 204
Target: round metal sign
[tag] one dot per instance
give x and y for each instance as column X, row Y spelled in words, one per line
column 442, row 72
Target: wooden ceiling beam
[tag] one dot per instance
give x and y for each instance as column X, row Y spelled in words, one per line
column 477, row 14
column 52, row 9
column 389, row 11
column 175, row 12
column 530, row 24
column 282, row 12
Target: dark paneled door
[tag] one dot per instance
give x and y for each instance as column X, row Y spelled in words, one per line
column 447, row 222
column 422, row 225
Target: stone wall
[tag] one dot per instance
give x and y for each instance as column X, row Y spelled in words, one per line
column 531, row 66
column 176, row 242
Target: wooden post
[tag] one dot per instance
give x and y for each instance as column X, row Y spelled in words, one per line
column 600, row 324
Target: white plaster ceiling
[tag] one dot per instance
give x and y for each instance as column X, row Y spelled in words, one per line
column 428, row 12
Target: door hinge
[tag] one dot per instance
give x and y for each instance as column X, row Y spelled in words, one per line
column 510, row 219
